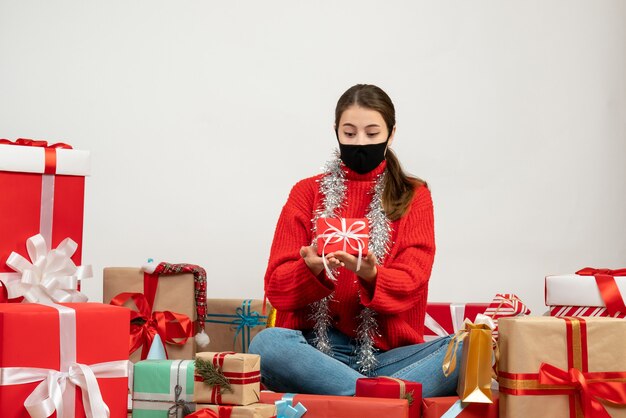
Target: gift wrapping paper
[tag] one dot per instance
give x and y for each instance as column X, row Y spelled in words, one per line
column 560, row 367
column 324, row 406
column 255, row 410
column 232, row 323
column 389, row 387
column 589, row 287
column 42, row 192
column 443, row 319
column 584, row 311
column 155, row 393
column 451, row 407
column 82, row 338
column 174, row 293
column 505, row 305
column 242, row 372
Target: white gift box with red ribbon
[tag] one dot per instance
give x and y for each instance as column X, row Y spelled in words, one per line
column 583, row 289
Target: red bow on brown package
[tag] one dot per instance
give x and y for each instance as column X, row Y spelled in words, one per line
column 145, row 324
column 609, row 291
column 590, row 386
column 585, row 389
column 50, row 150
column 223, row 412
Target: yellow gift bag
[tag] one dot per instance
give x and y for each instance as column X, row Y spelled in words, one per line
column 477, row 359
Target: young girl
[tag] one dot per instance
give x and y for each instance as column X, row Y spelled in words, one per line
column 332, row 329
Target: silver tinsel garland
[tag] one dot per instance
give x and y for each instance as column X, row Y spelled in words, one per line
column 333, row 188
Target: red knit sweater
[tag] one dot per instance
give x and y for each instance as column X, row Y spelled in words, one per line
column 399, row 292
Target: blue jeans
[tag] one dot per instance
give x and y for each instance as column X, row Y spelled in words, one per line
column 289, row 363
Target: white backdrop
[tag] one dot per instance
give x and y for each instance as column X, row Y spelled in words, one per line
column 201, row 115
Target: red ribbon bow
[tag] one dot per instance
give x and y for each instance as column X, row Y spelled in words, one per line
column 50, row 151
column 169, row 325
column 223, row 412
column 590, row 388
column 608, row 288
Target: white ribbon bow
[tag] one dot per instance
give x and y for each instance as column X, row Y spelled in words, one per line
column 48, row 395
column 349, row 236
column 49, row 277
column 457, row 313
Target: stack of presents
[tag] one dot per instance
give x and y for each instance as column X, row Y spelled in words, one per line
column 157, row 347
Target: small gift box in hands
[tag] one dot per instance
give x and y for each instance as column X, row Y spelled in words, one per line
column 342, row 234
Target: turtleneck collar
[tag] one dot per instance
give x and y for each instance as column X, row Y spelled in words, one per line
column 372, row 175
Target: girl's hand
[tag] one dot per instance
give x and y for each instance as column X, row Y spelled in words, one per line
column 367, row 271
column 313, row 261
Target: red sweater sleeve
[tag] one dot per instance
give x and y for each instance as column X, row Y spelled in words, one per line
column 289, row 284
column 403, row 278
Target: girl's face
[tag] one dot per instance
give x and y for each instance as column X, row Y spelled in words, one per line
column 362, row 126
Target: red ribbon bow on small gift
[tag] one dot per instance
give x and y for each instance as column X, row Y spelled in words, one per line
column 605, row 279
column 169, row 325
column 590, row 387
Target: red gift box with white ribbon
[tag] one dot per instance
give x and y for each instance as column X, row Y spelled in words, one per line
column 77, row 367
column 42, row 193
column 444, row 319
column 342, row 234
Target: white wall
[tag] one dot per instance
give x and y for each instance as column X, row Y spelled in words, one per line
column 200, row 116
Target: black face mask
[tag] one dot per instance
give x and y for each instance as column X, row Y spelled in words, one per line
column 363, row 158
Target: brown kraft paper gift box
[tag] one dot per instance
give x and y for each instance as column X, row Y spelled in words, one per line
column 174, row 293
column 242, row 372
column 588, row 351
column 232, row 323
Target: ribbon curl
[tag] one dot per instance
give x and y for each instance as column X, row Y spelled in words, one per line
column 49, row 276
column 350, row 236
column 588, row 389
column 145, row 324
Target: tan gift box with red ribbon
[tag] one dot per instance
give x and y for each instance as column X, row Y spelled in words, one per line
column 562, row 367
column 227, row 378
column 173, row 293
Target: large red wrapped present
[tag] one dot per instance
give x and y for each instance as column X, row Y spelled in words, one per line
column 451, row 406
column 42, row 192
column 589, row 287
column 390, row 387
column 324, row 406
column 444, row 319
column 79, row 362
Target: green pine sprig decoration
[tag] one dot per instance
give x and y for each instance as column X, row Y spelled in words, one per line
column 212, row 376
column 409, row 397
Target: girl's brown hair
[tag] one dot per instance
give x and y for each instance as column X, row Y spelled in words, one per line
column 399, row 186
